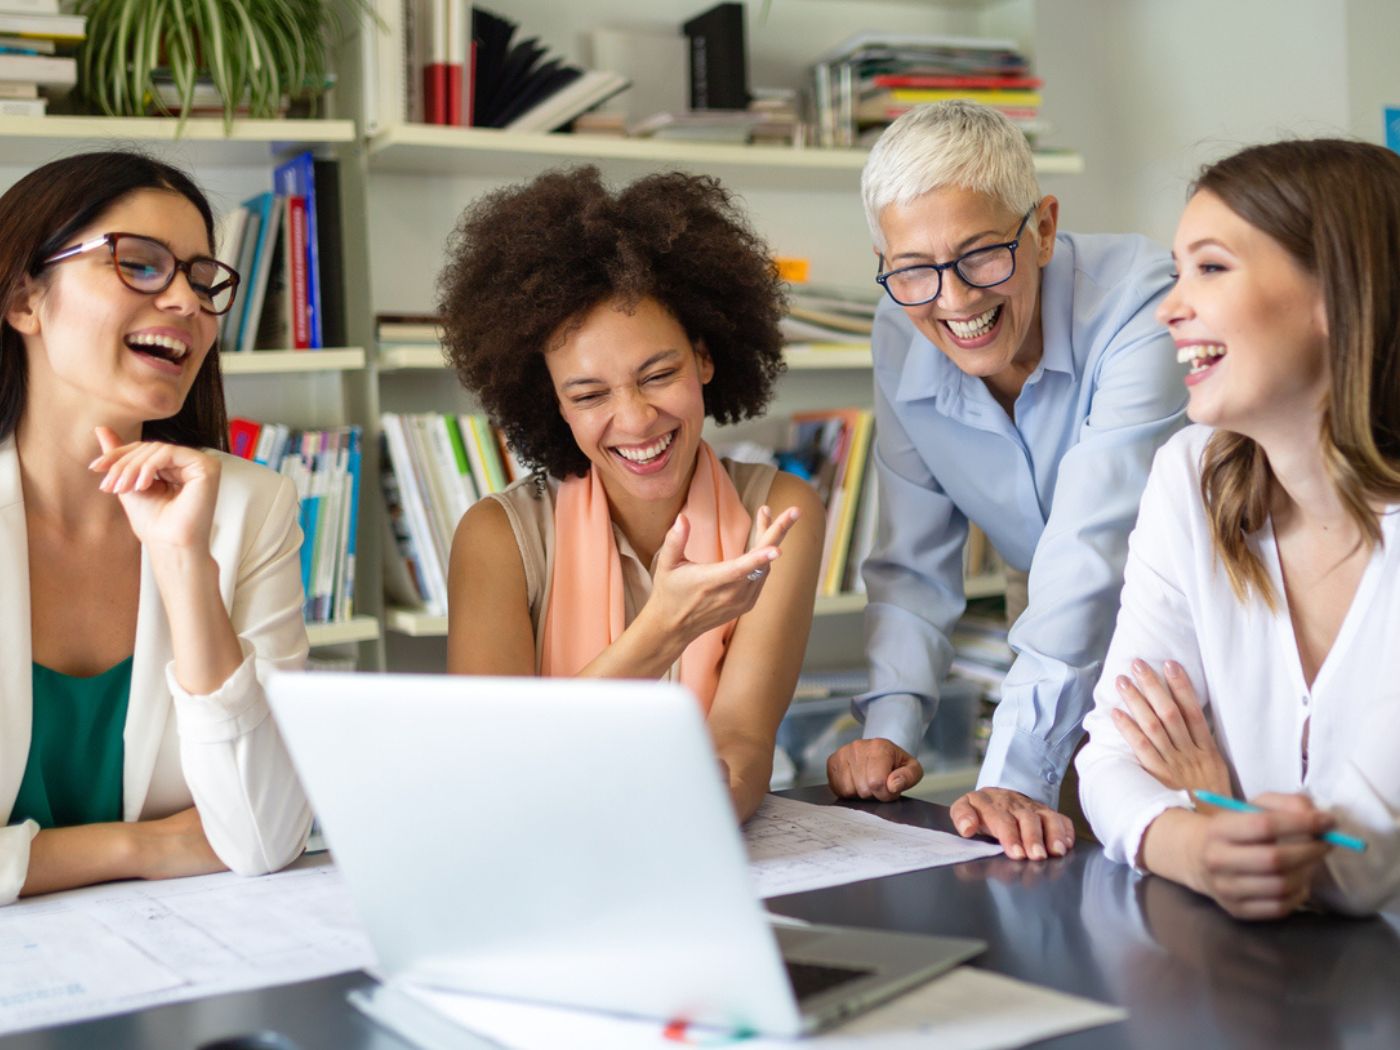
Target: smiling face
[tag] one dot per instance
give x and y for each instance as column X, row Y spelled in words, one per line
column 1249, row 320
column 96, row 346
column 631, row 388
column 986, row 332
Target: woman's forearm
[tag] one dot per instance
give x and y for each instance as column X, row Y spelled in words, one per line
column 646, row 649
column 202, row 637
column 65, row 858
column 1171, row 847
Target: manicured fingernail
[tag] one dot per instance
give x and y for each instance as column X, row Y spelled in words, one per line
column 1037, row 853
column 1139, row 667
column 965, row 828
column 1172, row 668
column 1016, row 853
column 1058, row 848
column 1123, row 683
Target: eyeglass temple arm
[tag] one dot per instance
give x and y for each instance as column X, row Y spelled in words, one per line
column 78, row 249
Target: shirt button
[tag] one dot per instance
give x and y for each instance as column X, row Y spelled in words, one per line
column 1051, row 777
column 1305, row 699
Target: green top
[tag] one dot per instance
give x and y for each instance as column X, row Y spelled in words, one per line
column 76, row 751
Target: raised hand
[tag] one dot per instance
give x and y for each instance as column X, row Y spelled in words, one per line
column 1164, row 725
column 690, row 598
column 168, row 491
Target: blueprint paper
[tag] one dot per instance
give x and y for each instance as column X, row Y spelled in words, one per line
column 797, row 846
column 125, row 946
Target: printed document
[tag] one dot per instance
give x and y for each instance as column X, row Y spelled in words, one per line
column 797, row 846
column 128, row 945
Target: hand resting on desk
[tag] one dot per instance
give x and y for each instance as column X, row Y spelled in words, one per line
column 169, row 848
column 875, row 768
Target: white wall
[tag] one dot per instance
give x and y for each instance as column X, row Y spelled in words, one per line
column 1149, row 90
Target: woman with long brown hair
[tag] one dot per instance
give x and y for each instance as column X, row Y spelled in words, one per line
column 1255, row 654
column 150, row 580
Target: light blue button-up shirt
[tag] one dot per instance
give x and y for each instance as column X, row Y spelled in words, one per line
column 1056, row 491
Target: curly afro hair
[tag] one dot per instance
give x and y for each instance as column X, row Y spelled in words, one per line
column 526, row 263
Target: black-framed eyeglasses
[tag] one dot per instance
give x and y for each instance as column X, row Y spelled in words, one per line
column 984, row 267
column 149, row 267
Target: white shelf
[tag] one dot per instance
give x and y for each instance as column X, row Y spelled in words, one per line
column 837, row 357
column 276, row 362
column 988, row 586
column 429, row 358
column 29, row 141
column 403, row 358
column 415, row 623
column 343, row 632
column 418, row 149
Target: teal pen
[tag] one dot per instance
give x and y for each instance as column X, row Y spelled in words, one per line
column 1210, row 798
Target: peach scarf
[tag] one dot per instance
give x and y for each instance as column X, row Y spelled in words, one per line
column 588, row 572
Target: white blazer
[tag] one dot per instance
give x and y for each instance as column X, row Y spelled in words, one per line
column 220, row 752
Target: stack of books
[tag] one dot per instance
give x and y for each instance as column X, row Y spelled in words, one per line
column 830, row 449
column 414, row 332
column 450, row 62
column 36, row 63
column 826, row 315
column 286, row 245
column 862, row 85
column 325, row 467
column 433, row 468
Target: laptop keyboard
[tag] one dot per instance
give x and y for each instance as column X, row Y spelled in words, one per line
column 809, row 979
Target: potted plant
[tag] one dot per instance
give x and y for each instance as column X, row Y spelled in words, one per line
column 173, row 57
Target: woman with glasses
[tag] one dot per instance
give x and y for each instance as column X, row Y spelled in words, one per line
column 1021, row 383
column 600, row 329
column 150, row 580
column 1255, row 655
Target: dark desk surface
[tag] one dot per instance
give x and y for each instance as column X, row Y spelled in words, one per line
column 1189, row 976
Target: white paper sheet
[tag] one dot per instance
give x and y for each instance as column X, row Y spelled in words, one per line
column 796, row 846
column 968, row 1009
column 124, row 946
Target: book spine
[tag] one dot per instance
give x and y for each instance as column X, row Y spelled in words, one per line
column 436, row 96
column 298, row 292
column 352, row 526
column 243, row 437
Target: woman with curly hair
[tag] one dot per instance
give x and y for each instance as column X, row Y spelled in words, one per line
column 1262, row 589
column 599, row 330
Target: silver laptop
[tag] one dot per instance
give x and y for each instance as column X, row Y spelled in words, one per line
column 570, row 842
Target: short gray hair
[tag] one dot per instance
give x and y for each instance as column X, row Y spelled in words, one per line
column 955, row 143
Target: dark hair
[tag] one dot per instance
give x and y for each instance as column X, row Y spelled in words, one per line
column 1334, row 206
column 39, row 214
column 527, row 262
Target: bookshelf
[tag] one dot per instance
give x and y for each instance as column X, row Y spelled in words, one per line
column 429, row 149
column 282, row 362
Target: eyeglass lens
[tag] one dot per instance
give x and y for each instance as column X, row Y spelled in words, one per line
column 982, row 268
column 149, row 266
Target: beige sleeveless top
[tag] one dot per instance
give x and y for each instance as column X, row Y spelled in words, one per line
column 529, row 504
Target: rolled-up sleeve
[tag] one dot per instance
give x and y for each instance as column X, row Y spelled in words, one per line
column 1077, row 569
column 250, row 801
column 14, row 858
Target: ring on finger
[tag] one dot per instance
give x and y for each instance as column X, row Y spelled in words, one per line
column 756, row 575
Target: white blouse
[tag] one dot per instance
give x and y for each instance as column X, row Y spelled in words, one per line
column 1243, row 660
